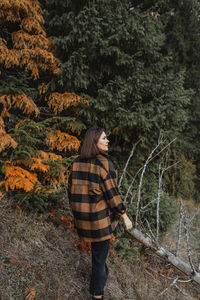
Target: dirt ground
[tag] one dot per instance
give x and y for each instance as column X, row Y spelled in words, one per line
column 40, row 259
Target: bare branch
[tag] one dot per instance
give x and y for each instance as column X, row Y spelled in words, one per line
column 172, row 165
column 164, row 291
column 161, row 172
column 179, row 226
column 131, row 154
column 133, row 195
column 144, row 207
column 132, row 182
column 163, row 149
column 195, row 214
column 188, row 296
column 184, row 281
column 151, row 232
column 186, row 227
column 141, row 179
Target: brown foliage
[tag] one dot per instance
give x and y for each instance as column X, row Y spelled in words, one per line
column 22, row 102
column 13, row 10
column 30, row 293
column 49, row 155
column 62, row 141
column 31, row 48
column 59, row 102
column 82, row 245
column 5, row 139
column 18, row 178
column 38, row 165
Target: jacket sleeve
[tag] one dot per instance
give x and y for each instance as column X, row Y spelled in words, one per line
column 111, row 192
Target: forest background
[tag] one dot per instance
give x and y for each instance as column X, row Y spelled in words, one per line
column 129, row 67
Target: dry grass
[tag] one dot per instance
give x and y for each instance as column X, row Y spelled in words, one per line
column 37, row 254
column 192, row 211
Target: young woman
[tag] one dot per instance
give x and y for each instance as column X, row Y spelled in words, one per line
column 96, row 203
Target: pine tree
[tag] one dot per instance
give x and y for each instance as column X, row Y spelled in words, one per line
column 116, row 55
column 181, row 27
column 184, row 40
column 113, row 56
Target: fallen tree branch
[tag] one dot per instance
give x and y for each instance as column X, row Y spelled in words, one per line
column 167, row 255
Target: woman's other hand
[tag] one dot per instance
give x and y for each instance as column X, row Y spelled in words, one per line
column 127, row 222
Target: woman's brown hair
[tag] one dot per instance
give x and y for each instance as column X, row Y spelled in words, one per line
column 89, row 147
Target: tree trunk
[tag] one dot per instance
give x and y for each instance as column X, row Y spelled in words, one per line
column 170, row 257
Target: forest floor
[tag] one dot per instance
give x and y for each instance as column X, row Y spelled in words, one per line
column 40, row 259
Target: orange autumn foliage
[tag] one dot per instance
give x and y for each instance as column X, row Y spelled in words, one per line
column 23, row 40
column 59, row 102
column 42, row 88
column 83, row 246
column 62, row 141
column 1, row 194
column 49, row 155
column 31, row 48
column 18, row 178
column 166, row 273
column 33, row 60
column 68, row 220
column 1, row 122
column 5, row 100
column 41, row 165
column 12, row 10
column 55, row 180
column 22, row 102
column 5, row 139
column 38, row 165
column 25, row 104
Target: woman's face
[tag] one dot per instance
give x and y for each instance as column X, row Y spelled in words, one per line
column 102, row 143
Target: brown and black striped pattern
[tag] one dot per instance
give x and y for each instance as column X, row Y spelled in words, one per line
column 94, row 198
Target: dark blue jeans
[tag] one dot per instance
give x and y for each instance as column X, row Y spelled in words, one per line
column 99, row 268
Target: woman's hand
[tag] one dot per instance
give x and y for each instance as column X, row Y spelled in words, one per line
column 127, row 222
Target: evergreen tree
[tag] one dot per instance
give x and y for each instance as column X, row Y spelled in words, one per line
column 182, row 27
column 113, row 55
column 184, row 41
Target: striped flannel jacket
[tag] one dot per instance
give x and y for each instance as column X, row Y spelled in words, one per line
column 94, row 198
